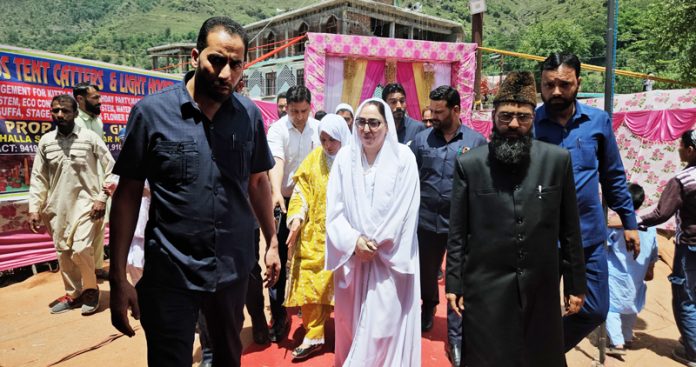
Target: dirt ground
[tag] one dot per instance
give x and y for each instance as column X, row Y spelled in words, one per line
column 31, row 336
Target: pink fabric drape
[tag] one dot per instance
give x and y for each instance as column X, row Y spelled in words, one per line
column 333, row 88
column 24, row 248
column 374, row 76
column 404, row 75
column 660, row 125
column 269, row 112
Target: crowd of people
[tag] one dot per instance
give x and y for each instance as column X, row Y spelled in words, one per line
column 358, row 209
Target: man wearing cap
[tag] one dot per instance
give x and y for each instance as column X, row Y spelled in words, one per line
column 513, row 216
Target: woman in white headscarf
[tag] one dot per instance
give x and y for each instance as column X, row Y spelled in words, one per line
column 310, row 286
column 346, row 111
column 372, row 213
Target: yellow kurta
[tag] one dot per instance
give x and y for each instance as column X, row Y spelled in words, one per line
column 309, row 283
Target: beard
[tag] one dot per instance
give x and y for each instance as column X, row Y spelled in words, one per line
column 94, row 109
column 510, row 151
column 209, row 86
column 560, row 103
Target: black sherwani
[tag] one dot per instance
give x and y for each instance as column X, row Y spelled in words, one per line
column 503, row 255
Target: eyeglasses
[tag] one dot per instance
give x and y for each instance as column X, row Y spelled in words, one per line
column 372, row 123
column 428, row 121
column 507, row 117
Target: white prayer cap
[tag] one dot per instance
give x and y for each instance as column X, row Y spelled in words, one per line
column 336, row 127
column 344, row 106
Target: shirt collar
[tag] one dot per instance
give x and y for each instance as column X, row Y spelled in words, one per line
column 76, row 130
column 458, row 135
column 189, row 107
column 84, row 115
column 581, row 114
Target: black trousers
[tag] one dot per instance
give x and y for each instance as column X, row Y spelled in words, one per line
column 168, row 316
column 277, row 292
column 431, row 250
column 254, row 304
column 254, row 295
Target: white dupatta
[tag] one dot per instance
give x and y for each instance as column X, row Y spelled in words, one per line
column 390, row 218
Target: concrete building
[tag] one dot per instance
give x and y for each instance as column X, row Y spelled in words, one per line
column 274, row 75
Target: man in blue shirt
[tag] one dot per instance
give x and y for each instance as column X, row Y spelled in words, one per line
column 587, row 133
column 203, row 150
column 436, row 152
column 406, row 127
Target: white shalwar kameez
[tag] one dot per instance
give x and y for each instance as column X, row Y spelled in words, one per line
column 377, row 302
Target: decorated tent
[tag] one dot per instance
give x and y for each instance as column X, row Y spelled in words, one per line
column 350, row 69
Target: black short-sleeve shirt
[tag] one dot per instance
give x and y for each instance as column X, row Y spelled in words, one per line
column 200, row 232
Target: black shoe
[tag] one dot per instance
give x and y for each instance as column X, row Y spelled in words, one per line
column 303, row 353
column 278, row 330
column 427, row 314
column 454, row 354
column 261, row 335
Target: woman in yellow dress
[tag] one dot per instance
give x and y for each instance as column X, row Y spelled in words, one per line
column 310, row 286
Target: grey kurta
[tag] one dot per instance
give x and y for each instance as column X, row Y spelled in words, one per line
column 503, row 255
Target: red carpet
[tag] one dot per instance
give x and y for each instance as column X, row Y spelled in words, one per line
column 432, row 342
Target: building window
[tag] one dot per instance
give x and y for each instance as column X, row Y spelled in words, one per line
column 331, row 25
column 270, row 83
column 269, row 43
column 379, row 27
column 300, row 46
column 245, row 81
column 299, row 77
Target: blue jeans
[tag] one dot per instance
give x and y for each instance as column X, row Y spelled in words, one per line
column 620, row 327
column 596, row 307
column 683, row 280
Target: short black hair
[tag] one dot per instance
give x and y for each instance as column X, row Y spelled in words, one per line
column 556, row 59
column 392, row 88
column 66, row 98
column 229, row 25
column 81, row 89
column 298, row 93
column 688, row 139
column 280, row 95
column 448, row 94
column 637, row 194
column 320, row 115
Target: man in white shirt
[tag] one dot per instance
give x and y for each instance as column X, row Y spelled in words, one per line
column 89, row 107
column 291, row 139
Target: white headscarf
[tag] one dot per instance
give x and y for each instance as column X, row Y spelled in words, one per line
column 336, row 127
column 391, row 217
column 345, row 106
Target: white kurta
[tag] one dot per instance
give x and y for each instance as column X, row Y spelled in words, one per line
column 377, row 302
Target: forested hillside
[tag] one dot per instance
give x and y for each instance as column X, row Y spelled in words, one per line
column 653, row 35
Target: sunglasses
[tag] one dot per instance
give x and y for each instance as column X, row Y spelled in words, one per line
column 372, row 123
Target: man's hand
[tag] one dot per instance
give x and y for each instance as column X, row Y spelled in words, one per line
column 456, row 303
column 279, row 201
column 573, row 304
column 98, row 210
column 365, row 249
column 34, row 222
column 632, row 242
column 123, row 296
column 272, row 260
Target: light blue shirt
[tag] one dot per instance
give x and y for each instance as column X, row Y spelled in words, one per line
column 627, row 286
